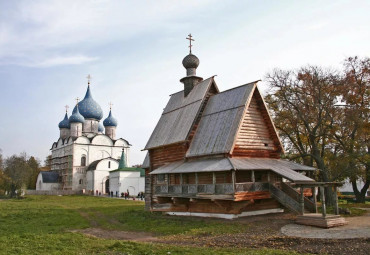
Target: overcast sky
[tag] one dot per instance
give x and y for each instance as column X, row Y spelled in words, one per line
column 133, row 50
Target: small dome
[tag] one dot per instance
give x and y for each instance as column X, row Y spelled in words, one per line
column 65, row 122
column 110, row 121
column 89, row 108
column 76, row 116
column 190, row 61
column 100, row 128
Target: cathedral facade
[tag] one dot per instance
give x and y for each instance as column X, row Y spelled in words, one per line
column 86, row 150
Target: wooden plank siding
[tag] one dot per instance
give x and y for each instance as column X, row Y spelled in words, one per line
column 256, row 136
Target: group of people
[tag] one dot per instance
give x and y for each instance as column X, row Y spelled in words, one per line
column 125, row 195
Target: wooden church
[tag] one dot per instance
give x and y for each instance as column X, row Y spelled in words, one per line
column 218, row 154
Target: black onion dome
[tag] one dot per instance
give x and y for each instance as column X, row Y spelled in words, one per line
column 190, row 61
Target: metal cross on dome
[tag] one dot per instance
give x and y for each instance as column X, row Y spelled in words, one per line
column 110, row 105
column 66, row 108
column 88, row 79
column 77, row 99
column 190, row 39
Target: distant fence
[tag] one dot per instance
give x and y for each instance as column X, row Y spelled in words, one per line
column 54, row 192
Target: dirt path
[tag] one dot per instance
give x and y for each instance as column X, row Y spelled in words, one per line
column 117, row 234
column 262, row 231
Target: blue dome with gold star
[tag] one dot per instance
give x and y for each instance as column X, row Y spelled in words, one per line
column 110, row 121
column 89, row 108
column 76, row 116
column 65, row 122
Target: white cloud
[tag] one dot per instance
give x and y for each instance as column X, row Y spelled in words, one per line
column 35, row 28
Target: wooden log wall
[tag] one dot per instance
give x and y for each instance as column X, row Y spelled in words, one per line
column 188, row 178
column 256, row 137
column 223, row 177
column 167, row 154
column 174, row 179
column 205, row 178
column 243, row 176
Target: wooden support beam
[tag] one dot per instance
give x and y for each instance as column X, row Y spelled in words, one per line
column 268, row 177
column 336, row 209
column 301, row 200
column 214, row 178
column 322, row 192
column 233, row 179
column 253, row 179
column 314, row 195
column 181, row 182
column 196, row 178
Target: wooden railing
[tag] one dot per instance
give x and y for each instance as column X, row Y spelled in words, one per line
column 290, row 191
column 284, row 199
column 192, row 189
column 251, row 186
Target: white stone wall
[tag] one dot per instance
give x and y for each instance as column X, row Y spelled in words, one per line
column 64, row 133
column 122, row 181
column 111, row 132
column 96, row 178
column 76, row 129
column 100, row 147
column 90, row 126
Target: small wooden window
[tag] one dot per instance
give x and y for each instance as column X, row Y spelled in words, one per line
column 80, row 181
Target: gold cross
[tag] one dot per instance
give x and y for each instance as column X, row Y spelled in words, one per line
column 88, row 79
column 77, row 99
column 190, row 39
column 66, row 108
column 110, row 105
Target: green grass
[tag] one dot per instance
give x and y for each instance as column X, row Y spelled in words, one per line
column 42, row 224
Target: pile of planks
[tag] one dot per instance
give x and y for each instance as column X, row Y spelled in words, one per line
column 245, row 195
column 317, row 220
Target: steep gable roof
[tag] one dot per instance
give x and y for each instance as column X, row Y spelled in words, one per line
column 222, row 120
column 179, row 115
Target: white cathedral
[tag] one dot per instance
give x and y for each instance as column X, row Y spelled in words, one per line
column 84, row 155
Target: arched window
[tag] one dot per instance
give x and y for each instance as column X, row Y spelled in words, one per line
column 108, row 164
column 80, row 182
column 83, row 160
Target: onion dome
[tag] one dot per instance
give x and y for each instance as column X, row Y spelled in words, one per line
column 110, row 121
column 89, row 108
column 100, row 128
column 65, row 122
column 76, row 116
column 190, row 61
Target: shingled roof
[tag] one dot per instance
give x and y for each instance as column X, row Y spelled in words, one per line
column 282, row 167
column 179, row 115
column 50, row 177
